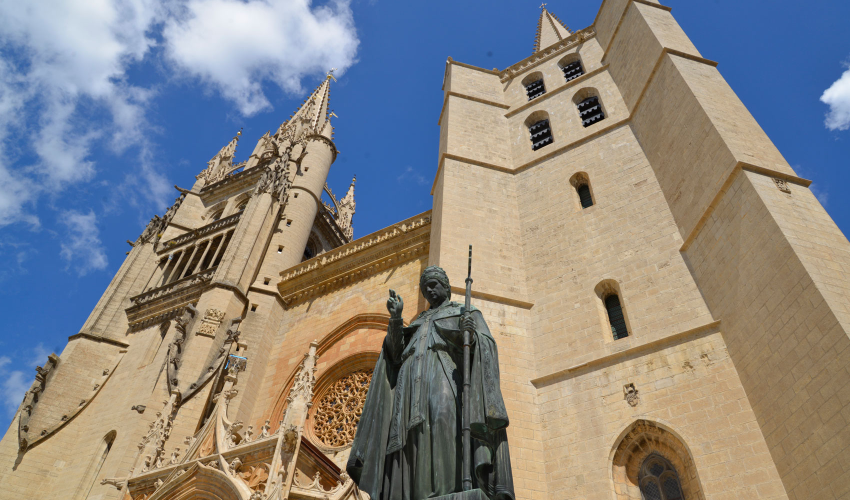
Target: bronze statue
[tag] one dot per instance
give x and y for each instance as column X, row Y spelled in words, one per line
column 408, row 444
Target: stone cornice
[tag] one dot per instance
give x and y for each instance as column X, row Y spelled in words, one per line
column 96, row 338
column 232, row 183
column 169, row 297
column 198, row 233
column 546, row 54
column 357, row 260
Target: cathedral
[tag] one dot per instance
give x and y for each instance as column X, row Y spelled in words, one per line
column 670, row 301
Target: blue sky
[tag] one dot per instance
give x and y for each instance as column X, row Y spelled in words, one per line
column 105, row 104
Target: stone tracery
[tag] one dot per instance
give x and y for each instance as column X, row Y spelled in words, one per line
column 339, row 409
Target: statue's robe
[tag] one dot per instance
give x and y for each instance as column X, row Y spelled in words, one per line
column 408, row 444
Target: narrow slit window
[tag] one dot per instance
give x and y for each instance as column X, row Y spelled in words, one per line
column 590, row 111
column 253, row 307
column 535, row 89
column 541, row 134
column 584, row 195
column 573, row 70
column 616, row 317
column 267, row 281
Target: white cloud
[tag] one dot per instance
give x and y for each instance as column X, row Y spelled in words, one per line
column 409, row 175
column 837, row 96
column 234, row 46
column 64, row 64
column 82, row 247
column 13, row 388
column 17, row 382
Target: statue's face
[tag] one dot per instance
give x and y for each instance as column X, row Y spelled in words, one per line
column 435, row 293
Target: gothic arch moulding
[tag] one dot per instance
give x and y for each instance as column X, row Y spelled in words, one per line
column 331, row 365
column 641, row 439
column 198, row 482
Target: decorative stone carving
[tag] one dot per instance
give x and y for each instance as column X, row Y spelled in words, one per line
column 233, row 437
column 782, row 185
column 156, row 226
column 264, row 433
column 139, row 408
column 210, row 323
column 235, row 465
column 31, row 397
column 255, row 477
column 117, row 482
column 175, row 349
column 631, row 394
column 222, row 163
column 340, row 408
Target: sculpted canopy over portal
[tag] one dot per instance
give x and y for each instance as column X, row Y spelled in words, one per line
column 408, row 442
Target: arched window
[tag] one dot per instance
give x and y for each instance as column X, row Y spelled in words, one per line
column 217, row 215
column 92, row 474
column 615, row 316
column 581, row 183
column 241, row 207
column 539, row 129
column 533, row 84
column 658, row 479
column 572, row 68
column 589, row 106
column 310, row 250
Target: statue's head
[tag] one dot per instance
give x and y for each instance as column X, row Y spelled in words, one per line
column 434, row 285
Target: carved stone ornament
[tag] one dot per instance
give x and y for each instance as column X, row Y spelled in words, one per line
column 340, row 408
column 631, row 394
column 210, row 323
column 782, row 185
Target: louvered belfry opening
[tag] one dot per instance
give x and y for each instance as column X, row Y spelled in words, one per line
column 590, row 111
column 541, row 134
column 584, row 195
column 615, row 317
column 535, row 89
column 573, row 70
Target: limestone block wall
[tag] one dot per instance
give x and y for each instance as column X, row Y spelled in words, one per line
column 783, row 322
column 628, row 236
column 690, row 386
column 473, row 82
column 108, row 318
column 479, row 207
column 770, row 264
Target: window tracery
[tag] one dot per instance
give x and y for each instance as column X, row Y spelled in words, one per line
column 340, row 408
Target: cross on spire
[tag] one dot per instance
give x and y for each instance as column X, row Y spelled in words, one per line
column 543, row 6
column 331, row 73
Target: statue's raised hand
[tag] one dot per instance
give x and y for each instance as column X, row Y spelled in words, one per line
column 395, row 305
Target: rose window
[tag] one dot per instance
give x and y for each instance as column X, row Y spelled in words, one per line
column 340, row 408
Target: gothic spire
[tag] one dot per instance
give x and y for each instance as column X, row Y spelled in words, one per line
column 313, row 113
column 550, row 30
column 346, row 209
column 221, row 163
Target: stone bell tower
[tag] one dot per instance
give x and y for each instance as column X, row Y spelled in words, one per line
column 674, row 299
column 169, row 338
